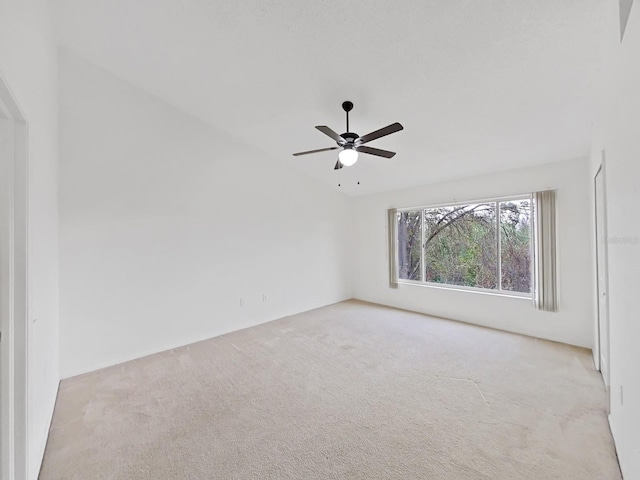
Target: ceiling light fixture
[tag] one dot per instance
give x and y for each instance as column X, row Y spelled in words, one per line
column 348, row 156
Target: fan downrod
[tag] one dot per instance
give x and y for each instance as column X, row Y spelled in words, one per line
column 347, row 107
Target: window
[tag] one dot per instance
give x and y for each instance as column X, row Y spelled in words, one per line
column 485, row 245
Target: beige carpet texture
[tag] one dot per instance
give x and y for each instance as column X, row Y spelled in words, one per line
column 349, row 391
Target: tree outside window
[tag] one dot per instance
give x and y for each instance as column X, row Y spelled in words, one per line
column 482, row 245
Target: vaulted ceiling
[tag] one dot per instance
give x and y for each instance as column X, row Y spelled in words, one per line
column 479, row 86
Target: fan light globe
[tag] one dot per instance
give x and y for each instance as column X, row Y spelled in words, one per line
column 348, row 157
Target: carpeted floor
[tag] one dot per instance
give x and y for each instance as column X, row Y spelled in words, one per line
column 349, row 391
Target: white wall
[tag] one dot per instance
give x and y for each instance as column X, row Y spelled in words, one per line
column 28, row 62
column 618, row 134
column 166, row 223
column 572, row 324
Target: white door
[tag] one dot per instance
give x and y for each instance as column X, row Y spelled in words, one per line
column 601, row 263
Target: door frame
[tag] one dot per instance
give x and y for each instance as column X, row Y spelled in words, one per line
column 14, row 291
column 604, row 269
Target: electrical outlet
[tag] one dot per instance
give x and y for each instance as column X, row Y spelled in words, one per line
column 264, row 297
column 242, row 302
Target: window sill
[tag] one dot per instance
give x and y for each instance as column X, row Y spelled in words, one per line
column 520, row 296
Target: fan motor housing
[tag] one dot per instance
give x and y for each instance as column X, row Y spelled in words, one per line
column 350, row 137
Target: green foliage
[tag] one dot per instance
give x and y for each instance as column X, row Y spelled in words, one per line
column 515, row 231
column 460, row 247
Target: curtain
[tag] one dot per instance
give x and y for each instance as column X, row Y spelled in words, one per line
column 545, row 296
column 392, row 223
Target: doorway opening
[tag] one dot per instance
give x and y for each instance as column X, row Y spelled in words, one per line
column 13, row 287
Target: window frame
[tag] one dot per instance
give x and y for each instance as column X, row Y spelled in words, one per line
column 446, row 286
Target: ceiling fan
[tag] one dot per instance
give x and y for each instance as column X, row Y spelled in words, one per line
column 352, row 144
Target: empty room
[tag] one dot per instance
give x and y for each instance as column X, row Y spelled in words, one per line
column 319, row 240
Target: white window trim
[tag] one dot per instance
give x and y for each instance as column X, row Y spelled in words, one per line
column 462, row 288
column 447, row 286
column 455, row 203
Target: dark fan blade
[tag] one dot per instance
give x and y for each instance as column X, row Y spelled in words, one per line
column 375, row 151
column 315, row 151
column 327, row 131
column 338, row 165
column 388, row 130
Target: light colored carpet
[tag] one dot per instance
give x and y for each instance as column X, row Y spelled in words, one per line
column 350, row 391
